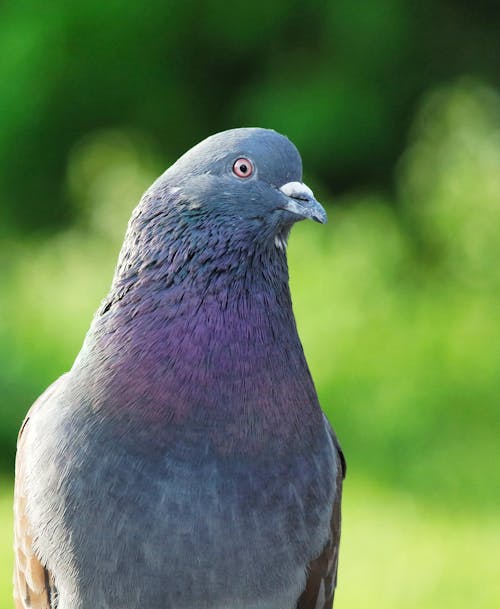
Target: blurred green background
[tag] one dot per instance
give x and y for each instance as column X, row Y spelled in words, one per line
column 395, row 107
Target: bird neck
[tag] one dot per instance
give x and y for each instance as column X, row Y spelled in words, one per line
column 213, row 346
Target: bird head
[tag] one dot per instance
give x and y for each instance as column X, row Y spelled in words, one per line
column 249, row 178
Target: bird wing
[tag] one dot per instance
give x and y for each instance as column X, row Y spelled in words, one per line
column 33, row 584
column 322, row 571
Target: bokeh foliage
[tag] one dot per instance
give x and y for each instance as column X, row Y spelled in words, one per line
column 341, row 78
column 396, row 112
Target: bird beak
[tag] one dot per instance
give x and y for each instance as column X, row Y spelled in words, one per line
column 301, row 202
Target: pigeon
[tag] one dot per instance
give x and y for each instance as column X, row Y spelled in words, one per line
column 184, row 461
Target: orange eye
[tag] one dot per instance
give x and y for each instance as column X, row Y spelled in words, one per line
column 243, row 168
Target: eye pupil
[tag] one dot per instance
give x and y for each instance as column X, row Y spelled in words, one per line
column 243, row 168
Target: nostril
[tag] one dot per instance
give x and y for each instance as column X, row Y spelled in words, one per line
column 301, row 197
column 298, row 191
